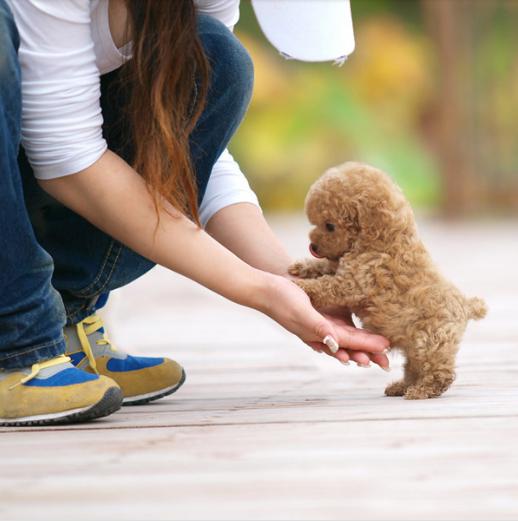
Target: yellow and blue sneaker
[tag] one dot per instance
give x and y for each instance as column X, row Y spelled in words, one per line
column 55, row 392
column 141, row 378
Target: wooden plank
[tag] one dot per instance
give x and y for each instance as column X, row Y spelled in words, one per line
column 392, row 470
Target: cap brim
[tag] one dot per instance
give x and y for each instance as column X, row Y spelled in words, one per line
column 307, row 30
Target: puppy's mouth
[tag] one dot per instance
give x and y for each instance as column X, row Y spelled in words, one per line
column 313, row 249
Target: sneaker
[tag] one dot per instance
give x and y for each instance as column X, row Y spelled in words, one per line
column 55, row 392
column 141, row 378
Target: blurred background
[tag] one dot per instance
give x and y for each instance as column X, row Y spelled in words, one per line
column 430, row 95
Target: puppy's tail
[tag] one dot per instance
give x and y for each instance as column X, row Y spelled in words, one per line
column 477, row 308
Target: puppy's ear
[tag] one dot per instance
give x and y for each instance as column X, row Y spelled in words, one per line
column 384, row 221
column 354, row 215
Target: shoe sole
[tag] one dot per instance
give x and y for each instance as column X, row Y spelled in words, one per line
column 142, row 399
column 108, row 404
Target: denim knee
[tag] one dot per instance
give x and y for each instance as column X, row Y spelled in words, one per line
column 232, row 68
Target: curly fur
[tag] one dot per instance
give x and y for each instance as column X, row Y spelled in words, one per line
column 375, row 264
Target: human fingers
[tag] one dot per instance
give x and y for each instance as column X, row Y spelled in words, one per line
column 339, row 320
column 341, row 355
column 381, row 360
column 318, row 347
column 340, row 314
column 361, row 358
column 355, row 339
column 365, row 359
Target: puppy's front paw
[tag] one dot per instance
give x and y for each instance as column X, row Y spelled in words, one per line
column 301, row 269
column 295, row 269
column 309, row 268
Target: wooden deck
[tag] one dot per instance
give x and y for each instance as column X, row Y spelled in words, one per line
column 265, row 429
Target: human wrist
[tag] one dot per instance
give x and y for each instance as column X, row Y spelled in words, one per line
column 264, row 287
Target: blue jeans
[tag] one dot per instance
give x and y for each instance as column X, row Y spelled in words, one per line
column 55, row 267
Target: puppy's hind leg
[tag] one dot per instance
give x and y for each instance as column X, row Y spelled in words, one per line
column 399, row 387
column 434, row 371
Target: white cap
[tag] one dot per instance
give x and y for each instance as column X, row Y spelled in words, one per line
column 307, row 30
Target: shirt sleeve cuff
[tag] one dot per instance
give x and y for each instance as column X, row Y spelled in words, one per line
column 227, row 186
column 68, row 167
column 223, row 200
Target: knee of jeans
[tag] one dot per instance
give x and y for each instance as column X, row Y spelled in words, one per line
column 230, row 62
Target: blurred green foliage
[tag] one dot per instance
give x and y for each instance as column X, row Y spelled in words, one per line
column 376, row 108
column 305, row 118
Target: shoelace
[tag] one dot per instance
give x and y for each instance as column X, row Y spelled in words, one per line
column 36, row 368
column 86, row 327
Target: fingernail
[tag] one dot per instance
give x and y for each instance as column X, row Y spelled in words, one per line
column 344, row 363
column 386, row 369
column 330, row 342
column 363, row 365
column 385, row 351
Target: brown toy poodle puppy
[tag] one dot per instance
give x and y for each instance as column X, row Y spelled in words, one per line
column 372, row 261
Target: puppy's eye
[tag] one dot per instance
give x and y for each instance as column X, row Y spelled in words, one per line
column 330, row 227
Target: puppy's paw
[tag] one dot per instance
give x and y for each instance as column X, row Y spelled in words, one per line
column 302, row 269
column 421, row 392
column 296, row 268
column 430, row 387
column 396, row 388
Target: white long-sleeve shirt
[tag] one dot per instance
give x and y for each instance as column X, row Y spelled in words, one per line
column 65, row 46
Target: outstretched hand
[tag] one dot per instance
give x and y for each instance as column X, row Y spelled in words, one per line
column 288, row 305
column 341, row 318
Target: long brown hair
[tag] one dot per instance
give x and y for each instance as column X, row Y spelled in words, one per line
column 168, row 79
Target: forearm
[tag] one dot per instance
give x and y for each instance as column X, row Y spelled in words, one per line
column 243, row 230
column 114, row 198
